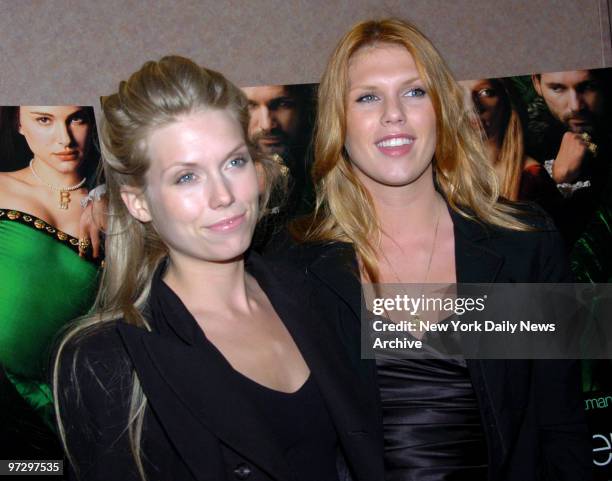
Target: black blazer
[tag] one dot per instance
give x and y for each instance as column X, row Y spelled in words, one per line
column 198, row 424
column 531, row 410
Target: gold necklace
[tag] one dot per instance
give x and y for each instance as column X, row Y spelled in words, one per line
column 416, row 317
column 64, row 192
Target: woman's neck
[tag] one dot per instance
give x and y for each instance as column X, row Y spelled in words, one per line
column 402, row 211
column 209, row 286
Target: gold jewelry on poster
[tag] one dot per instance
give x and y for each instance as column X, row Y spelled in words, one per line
column 84, row 244
column 591, row 146
column 64, row 192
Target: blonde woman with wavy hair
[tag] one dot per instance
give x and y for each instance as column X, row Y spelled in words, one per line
column 198, row 362
column 406, row 195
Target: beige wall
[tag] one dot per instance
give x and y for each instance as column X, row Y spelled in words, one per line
column 72, row 51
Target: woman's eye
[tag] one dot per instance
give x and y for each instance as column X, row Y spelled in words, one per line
column 186, row 178
column 486, row 93
column 367, row 98
column 415, row 92
column 237, row 162
column 43, row 120
column 78, row 120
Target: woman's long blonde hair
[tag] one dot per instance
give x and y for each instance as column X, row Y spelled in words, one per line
column 159, row 94
column 512, row 149
column 344, row 210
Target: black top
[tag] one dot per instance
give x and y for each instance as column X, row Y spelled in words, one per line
column 422, row 398
column 302, row 427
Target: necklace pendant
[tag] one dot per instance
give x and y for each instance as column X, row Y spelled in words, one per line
column 64, row 199
column 416, row 318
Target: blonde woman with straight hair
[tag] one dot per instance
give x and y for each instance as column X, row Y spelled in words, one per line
column 199, row 362
column 405, row 194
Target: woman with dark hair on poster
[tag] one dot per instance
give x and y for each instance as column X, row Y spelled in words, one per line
column 44, row 282
column 496, row 110
column 199, row 361
column 501, row 115
column 405, row 194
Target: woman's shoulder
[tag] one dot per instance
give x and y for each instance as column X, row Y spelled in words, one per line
column 534, row 236
column 95, row 355
column 16, row 192
column 304, row 254
column 11, row 184
column 327, row 266
column 534, row 216
column 94, row 376
column 96, row 340
column 280, row 263
column 530, row 221
column 536, row 252
column 94, row 389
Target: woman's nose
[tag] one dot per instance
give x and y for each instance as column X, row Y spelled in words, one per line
column 63, row 135
column 220, row 193
column 393, row 112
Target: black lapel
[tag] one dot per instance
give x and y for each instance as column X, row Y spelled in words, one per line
column 190, row 385
column 476, row 262
column 336, row 266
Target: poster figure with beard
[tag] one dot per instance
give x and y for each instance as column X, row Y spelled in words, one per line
column 281, row 124
column 570, row 132
column 48, row 276
column 549, row 137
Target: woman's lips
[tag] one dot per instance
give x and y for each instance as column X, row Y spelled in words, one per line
column 72, row 155
column 395, row 145
column 228, row 224
column 270, row 141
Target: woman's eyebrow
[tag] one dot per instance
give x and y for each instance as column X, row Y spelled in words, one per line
column 408, row 81
column 180, row 163
column 194, row 164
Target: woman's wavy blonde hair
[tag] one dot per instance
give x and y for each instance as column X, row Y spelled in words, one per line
column 344, row 210
column 159, row 94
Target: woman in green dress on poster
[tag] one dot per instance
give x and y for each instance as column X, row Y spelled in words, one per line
column 47, row 274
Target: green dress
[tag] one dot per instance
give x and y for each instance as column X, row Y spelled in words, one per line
column 44, row 284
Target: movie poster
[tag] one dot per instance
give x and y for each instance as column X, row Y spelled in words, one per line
column 548, row 136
